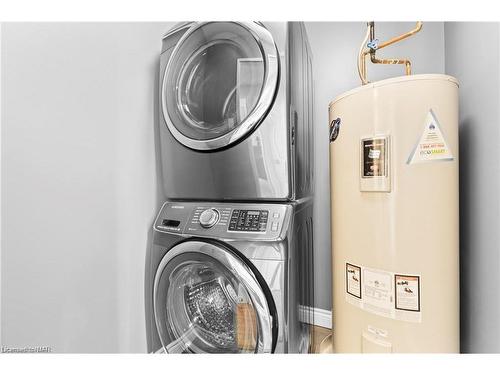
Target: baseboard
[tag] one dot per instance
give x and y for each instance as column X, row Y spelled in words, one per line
column 322, row 318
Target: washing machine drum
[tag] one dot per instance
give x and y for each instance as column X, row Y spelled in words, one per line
column 208, row 299
column 219, row 83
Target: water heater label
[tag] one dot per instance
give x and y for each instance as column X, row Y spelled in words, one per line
column 353, row 280
column 407, row 292
column 374, row 172
column 432, row 145
column 377, row 290
column 384, row 293
column 374, row 157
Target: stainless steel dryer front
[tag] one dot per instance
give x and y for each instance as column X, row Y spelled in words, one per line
column 230, row 278
column 236, row 111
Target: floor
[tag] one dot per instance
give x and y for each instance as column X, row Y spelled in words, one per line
column 321, row 344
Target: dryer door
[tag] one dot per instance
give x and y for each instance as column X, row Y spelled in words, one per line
column 209, row 299
column 220, row 83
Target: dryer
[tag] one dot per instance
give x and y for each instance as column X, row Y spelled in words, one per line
column 235, row 111
column 230, row 278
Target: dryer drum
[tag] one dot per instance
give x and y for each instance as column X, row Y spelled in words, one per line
column 219, row 83
column 208, row 305
column 211, row 309
column 201, row 299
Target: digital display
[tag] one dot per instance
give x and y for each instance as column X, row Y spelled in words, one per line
column 170, row 223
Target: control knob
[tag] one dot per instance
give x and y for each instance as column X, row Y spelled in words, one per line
column 209, row 218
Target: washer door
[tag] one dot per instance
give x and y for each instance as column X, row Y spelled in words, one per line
column 208, row 299
column 220, row 83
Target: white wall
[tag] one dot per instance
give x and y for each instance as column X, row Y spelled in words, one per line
column 79, row 185
column 335, row 47
column 472, row 55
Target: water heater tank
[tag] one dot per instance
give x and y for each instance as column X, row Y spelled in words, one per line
column 395, row 219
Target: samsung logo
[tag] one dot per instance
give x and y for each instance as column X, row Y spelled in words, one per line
column 179, row 207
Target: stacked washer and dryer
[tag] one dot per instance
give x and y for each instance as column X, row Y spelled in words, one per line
column 230, row 269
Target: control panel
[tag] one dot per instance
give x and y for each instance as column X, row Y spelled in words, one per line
column 249, row 221
column 235, row 220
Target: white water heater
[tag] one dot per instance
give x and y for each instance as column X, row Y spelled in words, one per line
column 395, row 219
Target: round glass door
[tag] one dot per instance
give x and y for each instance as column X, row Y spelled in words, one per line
column 219, row 83
column 207, row 300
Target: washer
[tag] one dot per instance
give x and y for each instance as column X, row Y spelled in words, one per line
column 235, row 111
column 230, row 278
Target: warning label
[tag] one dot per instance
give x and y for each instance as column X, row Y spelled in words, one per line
column 353, row 280
column 384, row 293
column 432, row 145
column 407, row 292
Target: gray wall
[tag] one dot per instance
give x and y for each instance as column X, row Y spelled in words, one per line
column 79, row 185
column 472, row 55
column 335, row 47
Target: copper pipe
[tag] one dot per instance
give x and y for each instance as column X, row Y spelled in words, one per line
column 399, row 38
column 406, row 62
column 372, row 51
column 362, row 58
